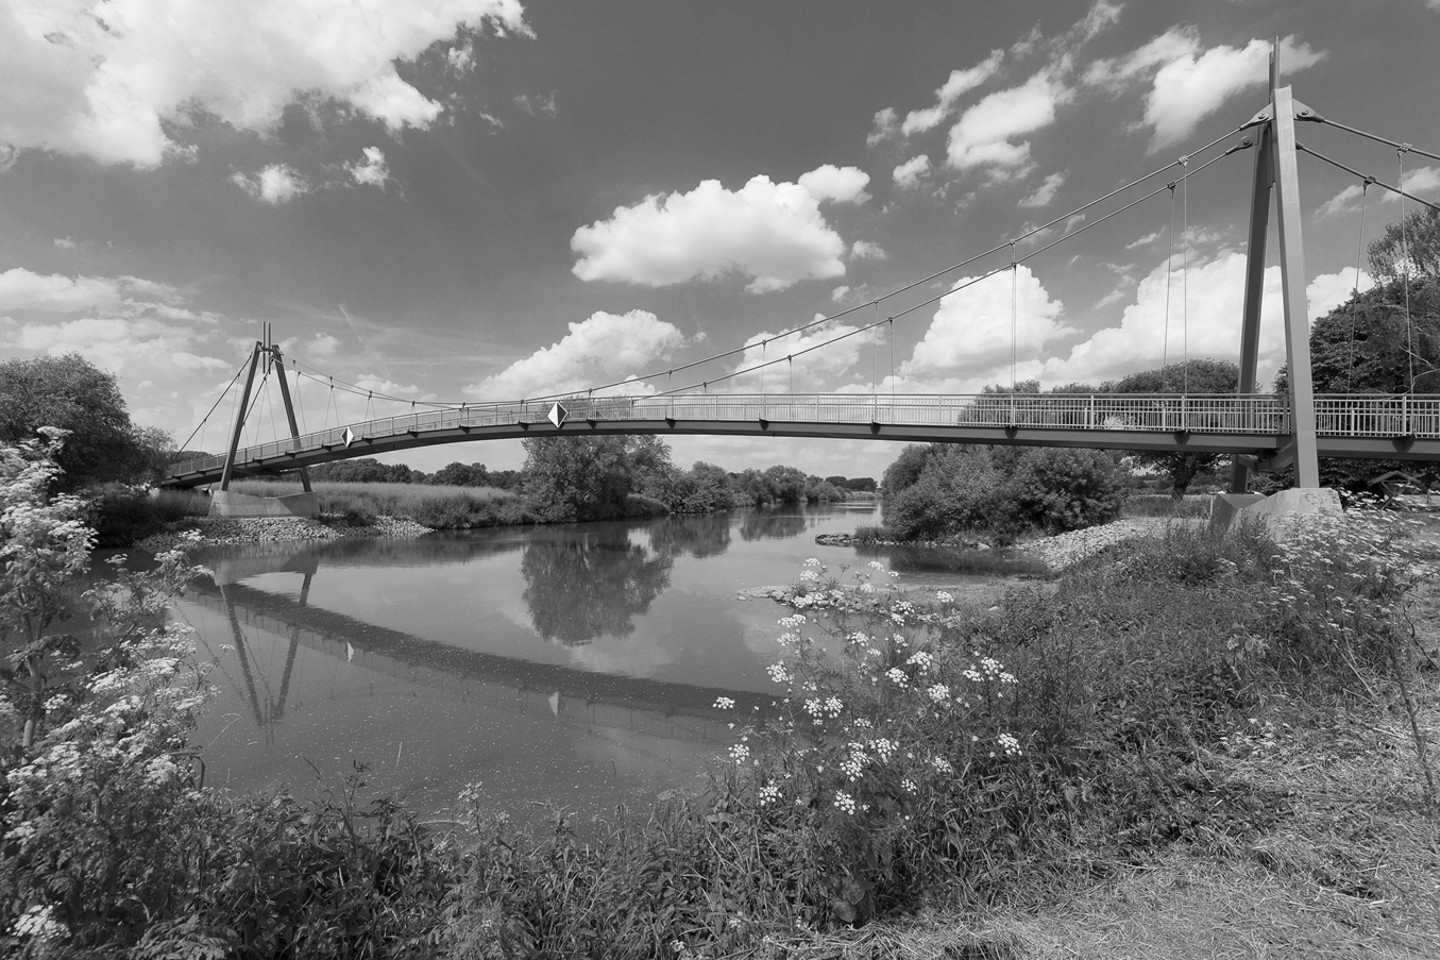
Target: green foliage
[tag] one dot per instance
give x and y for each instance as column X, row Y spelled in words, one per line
column 1200, row 376
column 474, row 475
column 962, row 489
column 70, row 393
column 1410, row 245
column 585, row 478
column 925, row 757
column 365, row 470
column 1373, row 344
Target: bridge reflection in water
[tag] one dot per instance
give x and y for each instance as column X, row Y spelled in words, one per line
column 306, row 683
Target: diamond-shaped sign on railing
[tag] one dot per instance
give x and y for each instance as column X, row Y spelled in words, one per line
column 349, row 436
column 557, row 415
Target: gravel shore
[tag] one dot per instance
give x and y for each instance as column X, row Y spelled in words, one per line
column 230, row 530
column 1066, row 549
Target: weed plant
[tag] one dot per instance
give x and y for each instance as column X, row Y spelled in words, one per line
column 440, row 507
column 921, row 755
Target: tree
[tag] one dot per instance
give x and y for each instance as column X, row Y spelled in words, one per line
column 907, row 467
column 1413, row 243
column 72, row 394
column 1386, row 341
column 588, row 478
column 457, row 474
column 1200, row 376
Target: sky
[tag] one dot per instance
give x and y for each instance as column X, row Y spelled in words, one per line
column 469, row 200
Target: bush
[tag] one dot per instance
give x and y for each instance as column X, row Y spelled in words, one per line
column 1002, row 495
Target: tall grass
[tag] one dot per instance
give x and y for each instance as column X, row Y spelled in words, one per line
column 1164, row 505
column 928, row 756
column 440, row 507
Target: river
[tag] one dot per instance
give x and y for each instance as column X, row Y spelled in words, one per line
column 576, row 664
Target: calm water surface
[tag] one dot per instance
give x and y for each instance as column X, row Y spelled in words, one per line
column 576, row 664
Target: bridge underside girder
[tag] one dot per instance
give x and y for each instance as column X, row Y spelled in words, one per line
column 1264, row 448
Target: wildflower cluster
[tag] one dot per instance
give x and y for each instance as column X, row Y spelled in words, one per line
column 890, row 726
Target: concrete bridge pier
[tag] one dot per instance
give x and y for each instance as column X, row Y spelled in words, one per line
column 228, row 503
column 1275, row 511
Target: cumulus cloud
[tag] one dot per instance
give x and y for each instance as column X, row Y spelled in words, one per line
column 816, row 371
column 1044, row 193
column 104, row 81
column 371, row 169
column 968, row 343
column 909, row 173
column 275, row 184
column 884, row 125
column 1210, row 305
column 865, row 250
column 1188, row 82
column 117, row 343
column 1420, row 181
column 602, row 348
column 959, row 83
column 987, row 134
column 321, row 347
column 773, row 233
column 65, row 243
column 841, row 184
column 22, row 289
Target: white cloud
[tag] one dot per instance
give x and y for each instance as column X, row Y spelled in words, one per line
column 1044, row 193
column 957, row 85
column 116, row 343
column 1204, row 321
column 65, row 243
column 275, row 184
column 22, row 289
column 909, row 173
column 1420, row 181
column 602, row 348
column 322, row 347
column 885, row 125
column 841, row 184
column 817, row 371
column 968, row 343
column 773, row 233
column 537, row 104
column 865, row 250
column 1149, row 238
column 104, row 81
column 1330, row 290
column 1188, row 83
column 371, row 169
column 986, row 133
column 1143, row 61
column 461, row 57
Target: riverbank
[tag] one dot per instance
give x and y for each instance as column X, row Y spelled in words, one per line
column 214, row 531
column 1057, row 552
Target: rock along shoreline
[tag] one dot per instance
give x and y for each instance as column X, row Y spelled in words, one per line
column 1057, row 553
column 215, row 531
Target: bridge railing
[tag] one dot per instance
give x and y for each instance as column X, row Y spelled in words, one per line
column 1360, row 415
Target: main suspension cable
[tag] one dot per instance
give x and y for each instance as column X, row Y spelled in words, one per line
column 1408, row 148
column 942, row 272
column 969, row 283
column 1363, row 176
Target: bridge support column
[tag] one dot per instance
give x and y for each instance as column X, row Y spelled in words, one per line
column 1275, row 167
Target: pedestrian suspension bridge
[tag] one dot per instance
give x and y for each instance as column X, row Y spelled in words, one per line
column 1263, row 431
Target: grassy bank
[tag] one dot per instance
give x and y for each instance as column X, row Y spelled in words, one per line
column 1181, row 718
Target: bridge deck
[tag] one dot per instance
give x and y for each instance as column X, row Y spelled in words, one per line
column 1367, row 426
